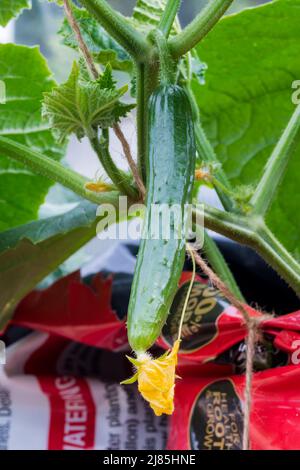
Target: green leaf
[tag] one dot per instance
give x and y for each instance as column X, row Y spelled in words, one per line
column 104, row 48
column 26, row 76
column 253, row 58
column 30, row 252
column 11, row 8
column 107, row 80
column 81, row 105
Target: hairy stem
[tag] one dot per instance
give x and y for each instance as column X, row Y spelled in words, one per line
column 199, row 27
column 208, row 155
column 253, row 232
column 166, row 62
column 45, row 166
column 120, row 179
column 276, row 166
column 168, row 17
column 220, row 266
column 279, row 249
column 119, row 28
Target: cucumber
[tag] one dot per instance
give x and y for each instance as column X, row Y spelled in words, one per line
column 170, row 177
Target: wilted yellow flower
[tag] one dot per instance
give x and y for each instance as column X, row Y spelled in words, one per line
column 99, row 187
column 201, row 174
column 156, row 379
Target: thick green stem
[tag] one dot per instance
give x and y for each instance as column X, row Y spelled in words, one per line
column 198, row 28
column 278, row 248
column 220, row 266
column 207, row 155
column 45, row 166
column 120, row 179
column 119, row 28
column 276, row 166
column 169, row 16
column 253, row 232
column 166, row 63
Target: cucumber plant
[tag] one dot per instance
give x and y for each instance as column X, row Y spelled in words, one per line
column 217, row 91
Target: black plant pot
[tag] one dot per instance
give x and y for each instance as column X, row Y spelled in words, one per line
column 259, row 283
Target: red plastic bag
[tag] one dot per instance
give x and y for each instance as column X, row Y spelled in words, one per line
column 212, row 326
column 209, row 412
column 76, row 311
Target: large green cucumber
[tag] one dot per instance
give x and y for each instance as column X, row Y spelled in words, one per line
column 170, row 176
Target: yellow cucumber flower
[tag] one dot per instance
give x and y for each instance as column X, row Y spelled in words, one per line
column 156, row 379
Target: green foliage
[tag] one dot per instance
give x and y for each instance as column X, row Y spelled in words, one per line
column 103, row 48
column 26, row 76
column 81, row 105
column 11, row 8
column 30, row 252
column 246, row 101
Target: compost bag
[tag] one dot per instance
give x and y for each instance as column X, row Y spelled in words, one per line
column 56, row 394
column 60, row 388
column 209, row 412
column 93, row 311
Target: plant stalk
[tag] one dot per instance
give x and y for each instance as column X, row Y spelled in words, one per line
column 220, row 266
column 198, row 28
column 119, row 28
column 168, row 17
column 207, row 155
column 120, row 179
column 256, row 235
column 276, row 166
column 167, row 70
column 49, row 168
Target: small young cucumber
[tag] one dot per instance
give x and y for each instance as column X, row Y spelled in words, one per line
column 170, row 177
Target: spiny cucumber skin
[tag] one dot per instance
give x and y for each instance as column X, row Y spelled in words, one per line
column 171, row 166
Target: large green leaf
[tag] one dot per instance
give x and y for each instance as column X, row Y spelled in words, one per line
column 103, row 47
column 11, row 8
column 26, row 76
column 30, row 252
column 253, row 58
